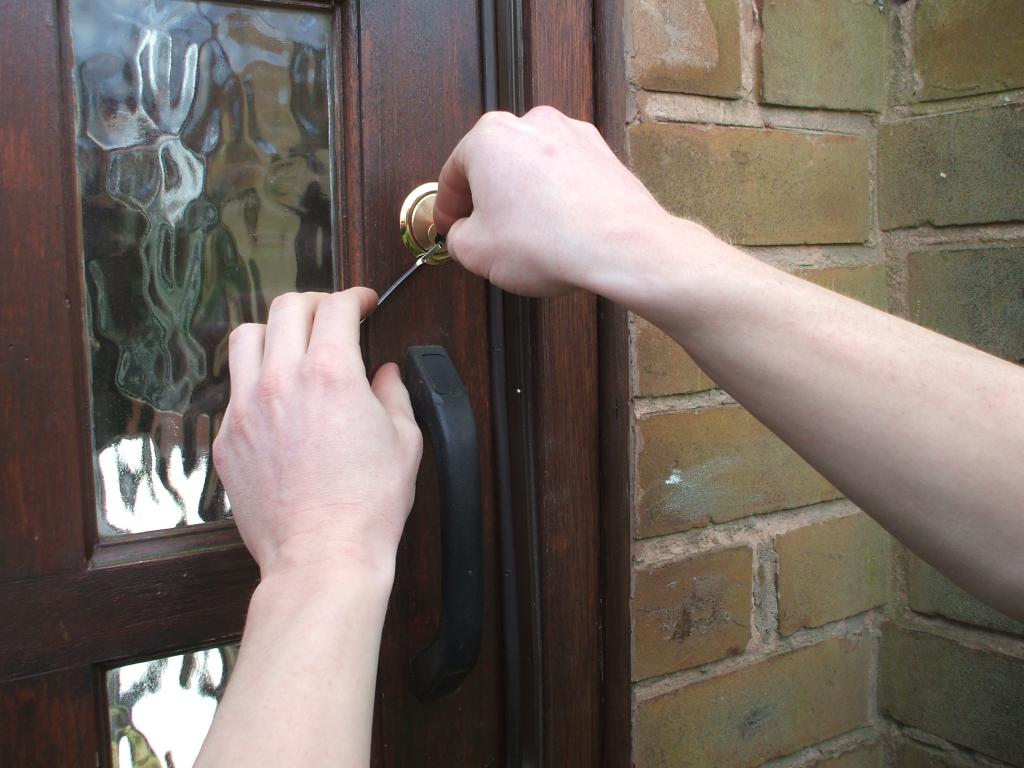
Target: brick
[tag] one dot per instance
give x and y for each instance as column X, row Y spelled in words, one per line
column 825, row 53
column 961, row 168
column 687, row 46
column 966, row 48
column 691, row 612
column 970, row 697
column 716, row 464
column 664, row 368
column 912, row 755
column 758, row 186
column 931, row 593
column 768, row 710
column 866, row 284
column 868, row 756
column 975, row 296
column 831, row 570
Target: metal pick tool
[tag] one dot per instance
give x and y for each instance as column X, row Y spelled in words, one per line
column 420, row 261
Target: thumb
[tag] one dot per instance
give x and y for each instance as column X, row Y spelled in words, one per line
column 464, row 246
column 389, row 389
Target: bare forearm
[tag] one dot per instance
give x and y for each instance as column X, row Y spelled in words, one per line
column 302, row 692
column 922, row 432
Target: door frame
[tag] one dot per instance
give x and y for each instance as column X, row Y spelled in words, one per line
column 574, row 54
column 616, row 417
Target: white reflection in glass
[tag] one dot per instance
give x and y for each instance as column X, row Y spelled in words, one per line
column 205, row 174
column 161, row 710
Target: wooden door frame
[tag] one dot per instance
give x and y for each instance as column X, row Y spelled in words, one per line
column 616, row 435
column 574, row 60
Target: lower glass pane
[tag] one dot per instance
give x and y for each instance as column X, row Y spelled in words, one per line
column 161, row 710
column 204, row 167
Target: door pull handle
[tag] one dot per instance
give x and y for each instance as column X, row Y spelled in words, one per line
column 442, row 406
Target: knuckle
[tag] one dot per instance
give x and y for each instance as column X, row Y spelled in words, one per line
column 414, row 436
column 286, row 301
column 221, row 451
column 545, row 112
column 343, row 306
column 492, row 124
column 239, row 428
column 343, row 298
column 494, row 117
column 272, row 385
column 237, row 419
column 323, row 366
column 243, row 331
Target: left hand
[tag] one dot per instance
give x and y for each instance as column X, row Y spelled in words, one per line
column 319, row 465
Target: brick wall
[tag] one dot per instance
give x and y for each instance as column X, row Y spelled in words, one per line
column 878, row 149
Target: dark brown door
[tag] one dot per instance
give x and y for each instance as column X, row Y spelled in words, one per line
column 167, row 168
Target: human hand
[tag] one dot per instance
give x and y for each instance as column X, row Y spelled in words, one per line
column 540, row 205
column 320, row 467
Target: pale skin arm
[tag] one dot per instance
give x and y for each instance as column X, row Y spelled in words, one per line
column 923, row 433
column 301, row 454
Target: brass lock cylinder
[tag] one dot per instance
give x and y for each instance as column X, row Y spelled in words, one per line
column 417, row 223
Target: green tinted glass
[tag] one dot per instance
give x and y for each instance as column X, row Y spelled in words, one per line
column 204, row 167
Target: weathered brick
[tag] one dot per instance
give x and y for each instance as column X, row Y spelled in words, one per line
column 758, row 186
column 866, row 284
column 691, row 612
column 967, row 696
column 759, row 713
column 831, row 570
column 664, row 368
column 975, row 296
column 965, row 48
column 687, row 46
column 824, row 53
column 868, row 756
column 961, row 168
column 931, row 593
column 716, row 464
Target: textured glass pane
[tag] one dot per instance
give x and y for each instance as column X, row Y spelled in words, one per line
column 161, row 710
column 205, row 175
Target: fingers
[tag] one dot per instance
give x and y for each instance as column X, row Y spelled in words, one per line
column 335, row 330
column 454, row 197
column 288, row 327
column 245, row 355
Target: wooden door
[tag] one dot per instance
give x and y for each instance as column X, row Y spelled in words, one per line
column 165, row 169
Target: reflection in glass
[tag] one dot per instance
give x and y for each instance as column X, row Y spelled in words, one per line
column 161, row 710
column 205, row 175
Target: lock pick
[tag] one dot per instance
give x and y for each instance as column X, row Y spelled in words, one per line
column 420, row 261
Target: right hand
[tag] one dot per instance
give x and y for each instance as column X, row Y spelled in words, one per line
column 539, row 205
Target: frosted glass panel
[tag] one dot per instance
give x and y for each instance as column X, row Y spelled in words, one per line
column 161, row 710
column 204, row 168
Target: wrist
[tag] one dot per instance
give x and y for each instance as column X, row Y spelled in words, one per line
column 368, row 582
column 645, row 255
column 689, row 282
column 322, row 551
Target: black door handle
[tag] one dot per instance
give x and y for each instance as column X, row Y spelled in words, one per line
column 442, row 406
